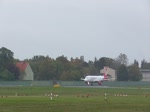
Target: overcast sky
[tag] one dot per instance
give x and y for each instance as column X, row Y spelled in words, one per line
column 74, row 28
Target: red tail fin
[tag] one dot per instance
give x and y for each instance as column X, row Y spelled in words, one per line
column 105, row 72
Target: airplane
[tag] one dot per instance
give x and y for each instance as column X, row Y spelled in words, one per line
column 90, row 79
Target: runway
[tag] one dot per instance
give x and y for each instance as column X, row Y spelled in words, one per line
column 90, row 86
column 106, row 87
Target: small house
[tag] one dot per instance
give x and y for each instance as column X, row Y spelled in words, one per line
column 145, row 74
column 26, row 72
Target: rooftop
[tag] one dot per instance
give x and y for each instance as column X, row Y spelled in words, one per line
column 22, row 65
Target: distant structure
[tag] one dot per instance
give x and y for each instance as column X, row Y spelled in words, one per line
column 82, row 58
column 111, row 73
column 145, row 74
column 26, row 72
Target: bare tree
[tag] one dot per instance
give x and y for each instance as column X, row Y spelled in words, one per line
column 122, row 59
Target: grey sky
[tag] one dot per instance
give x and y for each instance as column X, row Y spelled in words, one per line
column 92, row 28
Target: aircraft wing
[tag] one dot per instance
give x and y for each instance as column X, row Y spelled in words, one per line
column 82, row 79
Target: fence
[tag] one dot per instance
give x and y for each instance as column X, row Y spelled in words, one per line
column 74, row 83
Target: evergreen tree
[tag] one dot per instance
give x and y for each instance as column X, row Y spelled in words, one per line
column 134, row 73
column 122, row 74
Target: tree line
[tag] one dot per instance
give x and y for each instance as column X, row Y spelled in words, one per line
column 47, row 68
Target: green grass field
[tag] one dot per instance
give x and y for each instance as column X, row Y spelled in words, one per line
column 73, row 99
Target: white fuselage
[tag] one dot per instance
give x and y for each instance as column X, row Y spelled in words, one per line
column 94, row 78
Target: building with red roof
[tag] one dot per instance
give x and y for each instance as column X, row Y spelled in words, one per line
column 26, row 72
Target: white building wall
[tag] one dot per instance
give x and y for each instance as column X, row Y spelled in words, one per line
column 28, row 73
column 146, row 75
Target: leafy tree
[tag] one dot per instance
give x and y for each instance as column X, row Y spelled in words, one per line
column 62, row 59
column 8, row 69
column 89, row 69
column 122, row 74
column 122, row 59
column 57, row 69
column 70, row 75
column 85, row 64
column 145, row 64
column 47, row 70
column 6, row 57
column 5, row 75
column 14, row 70
column 104, row 61
column 134, row 73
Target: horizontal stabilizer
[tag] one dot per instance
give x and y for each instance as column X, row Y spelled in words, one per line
column 82, row 79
